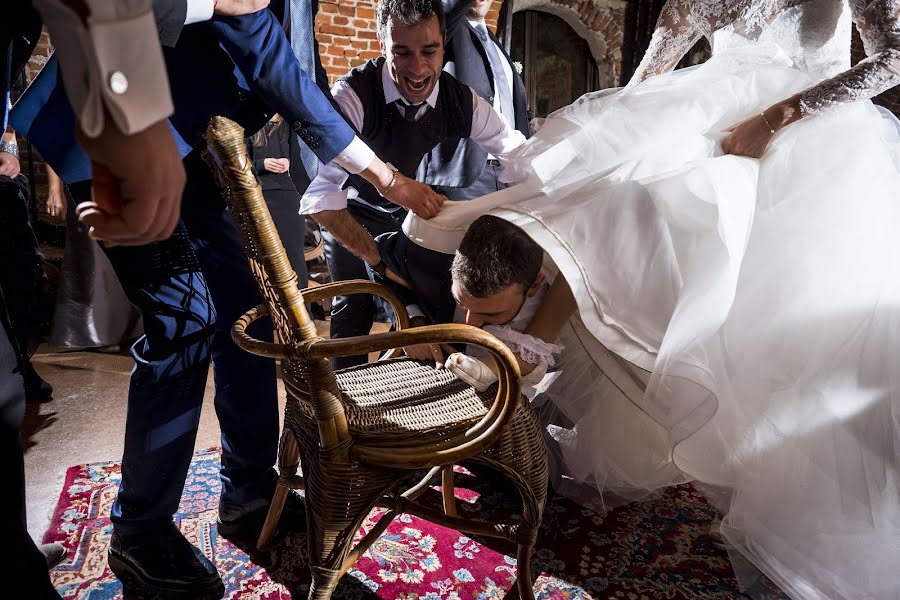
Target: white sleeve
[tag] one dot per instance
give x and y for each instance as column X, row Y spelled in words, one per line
column 325, row 191
column 112, row 63
column 199, row 10
column 491, row 131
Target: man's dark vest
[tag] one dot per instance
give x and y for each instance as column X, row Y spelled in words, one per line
column 398, row 141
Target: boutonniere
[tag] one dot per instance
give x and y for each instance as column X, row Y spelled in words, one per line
column 517, row 66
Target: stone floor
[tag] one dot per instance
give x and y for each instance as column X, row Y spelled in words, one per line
column 85, row 421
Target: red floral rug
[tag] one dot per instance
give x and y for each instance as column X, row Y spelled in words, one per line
column 659, row 548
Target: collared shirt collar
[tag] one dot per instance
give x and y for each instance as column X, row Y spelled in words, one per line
column 476, row 22
column 392, row 93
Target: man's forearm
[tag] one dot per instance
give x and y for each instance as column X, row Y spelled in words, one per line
column 350, row 234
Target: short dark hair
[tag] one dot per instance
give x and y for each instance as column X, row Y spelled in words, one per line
column 408, row 12
column 493, row 255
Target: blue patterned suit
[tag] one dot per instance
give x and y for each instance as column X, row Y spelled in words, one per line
column 192, row 287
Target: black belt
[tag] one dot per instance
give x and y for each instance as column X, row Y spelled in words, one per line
column 492, row 162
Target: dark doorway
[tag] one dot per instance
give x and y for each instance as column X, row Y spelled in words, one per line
column 557, row 64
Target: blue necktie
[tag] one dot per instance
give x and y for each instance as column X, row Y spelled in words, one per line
column 304, row 46
column 504, row 89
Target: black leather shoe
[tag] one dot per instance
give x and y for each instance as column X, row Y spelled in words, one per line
column 246, row 529
column 162, row 565
column 37, row 390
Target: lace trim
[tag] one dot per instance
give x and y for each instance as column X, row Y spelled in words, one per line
column 531, row 349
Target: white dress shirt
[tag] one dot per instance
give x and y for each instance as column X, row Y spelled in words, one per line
column 489, row 130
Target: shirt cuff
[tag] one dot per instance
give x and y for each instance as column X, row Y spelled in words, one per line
column 356, row 157
column 199, row 10
column 312, row 203
column 113, row 65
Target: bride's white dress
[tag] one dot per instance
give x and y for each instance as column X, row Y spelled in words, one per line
column 763, row 296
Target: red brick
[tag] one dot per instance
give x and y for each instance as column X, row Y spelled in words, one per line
column 338, row 30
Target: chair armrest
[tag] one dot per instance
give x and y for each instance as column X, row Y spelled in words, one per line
column 280, row 351
column 250, row 344
column 359, row 286
column 474, row 440
column 362, row 286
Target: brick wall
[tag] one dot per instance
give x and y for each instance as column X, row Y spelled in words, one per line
column 605, row 20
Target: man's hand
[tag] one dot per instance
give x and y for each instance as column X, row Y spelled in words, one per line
column 234, row 8
column 415, row 196
column 424, row 352
column 138, row 181
column 9, row 165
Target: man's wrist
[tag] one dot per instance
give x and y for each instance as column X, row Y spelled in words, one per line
column 379, row 268
column 384, row 192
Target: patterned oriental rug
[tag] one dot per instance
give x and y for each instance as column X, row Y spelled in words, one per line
column 659, row 548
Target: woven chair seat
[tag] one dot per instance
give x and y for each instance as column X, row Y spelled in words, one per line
column 405, row 400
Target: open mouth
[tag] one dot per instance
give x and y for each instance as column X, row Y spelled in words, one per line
column 417, row 86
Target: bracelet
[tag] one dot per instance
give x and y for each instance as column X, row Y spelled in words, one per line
column 10, row 148
column 387, row 188
column 766, row 121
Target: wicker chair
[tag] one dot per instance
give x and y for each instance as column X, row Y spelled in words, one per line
column 379, row 434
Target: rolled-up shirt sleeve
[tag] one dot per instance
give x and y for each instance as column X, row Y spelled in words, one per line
column 111, row 63
column 326, row 191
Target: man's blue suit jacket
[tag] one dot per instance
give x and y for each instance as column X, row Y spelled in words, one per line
column 239, row 67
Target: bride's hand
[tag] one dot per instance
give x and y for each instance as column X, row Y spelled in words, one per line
column 752, row 137
column 749, row 138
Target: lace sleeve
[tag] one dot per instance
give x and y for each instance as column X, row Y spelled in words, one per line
column 878, row 22
column 676, row 32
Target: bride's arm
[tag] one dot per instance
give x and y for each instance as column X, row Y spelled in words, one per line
column 676, row 32
column 879, row 27
column 878, row 22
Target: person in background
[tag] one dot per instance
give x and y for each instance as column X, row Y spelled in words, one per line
column 91, row 311
column 275, row 155
column 21, row 265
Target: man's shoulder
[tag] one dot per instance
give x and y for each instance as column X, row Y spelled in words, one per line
column 367, row 69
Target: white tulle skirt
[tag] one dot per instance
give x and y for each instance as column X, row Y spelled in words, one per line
column 761, row 296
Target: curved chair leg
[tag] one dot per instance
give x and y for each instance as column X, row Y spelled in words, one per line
column 523, row 572
column 447, row 492
column 288, row 461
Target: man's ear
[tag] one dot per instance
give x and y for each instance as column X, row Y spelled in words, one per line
column 538, row 282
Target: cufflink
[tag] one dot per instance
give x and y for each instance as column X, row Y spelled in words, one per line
column 118, row 83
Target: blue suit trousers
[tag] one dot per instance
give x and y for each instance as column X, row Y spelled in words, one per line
column 190, row 289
